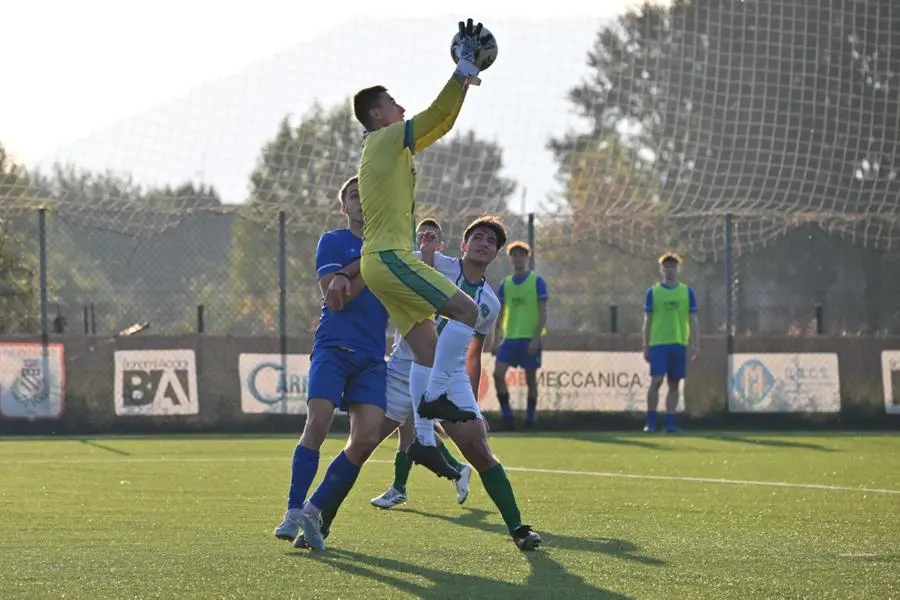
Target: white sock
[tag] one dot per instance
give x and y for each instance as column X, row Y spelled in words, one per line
column 449, row 356
column 418, row 381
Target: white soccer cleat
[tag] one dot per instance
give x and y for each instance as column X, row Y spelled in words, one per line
column 392, row 497
column 289, row 528
column 312, row 538
column 462, row 484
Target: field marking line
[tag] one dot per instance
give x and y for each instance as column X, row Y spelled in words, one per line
column 604, row 474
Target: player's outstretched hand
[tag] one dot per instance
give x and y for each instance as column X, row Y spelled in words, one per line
column 467, row 48
column 337, row 292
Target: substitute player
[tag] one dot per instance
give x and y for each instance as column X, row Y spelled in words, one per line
column 411, row 291
column 347, row 368
column 670, row 315
column 522, row 324
column 481, row 241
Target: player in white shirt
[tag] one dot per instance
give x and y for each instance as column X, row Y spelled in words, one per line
column 482, row 241
column 400, row 406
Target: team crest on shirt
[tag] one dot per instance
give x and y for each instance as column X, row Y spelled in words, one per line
column 485, row 311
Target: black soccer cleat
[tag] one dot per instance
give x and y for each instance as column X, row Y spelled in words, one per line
column 432, row 459
column 443, row 408
column 525, row 538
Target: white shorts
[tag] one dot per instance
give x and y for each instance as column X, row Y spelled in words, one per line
column 399, row 402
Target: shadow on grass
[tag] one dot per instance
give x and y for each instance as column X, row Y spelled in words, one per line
column 633, row 440
column 755, row 440
column 94, row 444
column 547, row 579
column 476, row 518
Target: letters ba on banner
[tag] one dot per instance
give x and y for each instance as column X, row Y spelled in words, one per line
column 155, row 383
column 890, row 372
column 266, row 387
column 579, row 381
column 784, row 383
column 32, row 386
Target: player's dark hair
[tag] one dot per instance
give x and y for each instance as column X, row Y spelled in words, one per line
column 492, row 223
column 670, row 257
column 343, row 191
column 518, row 246
column 364, row 101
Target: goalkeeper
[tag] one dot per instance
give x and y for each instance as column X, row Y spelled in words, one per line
column 411, row 291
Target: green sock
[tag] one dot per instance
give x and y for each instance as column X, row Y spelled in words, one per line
column 448, row 456
column 497, row 485
column 402, row 466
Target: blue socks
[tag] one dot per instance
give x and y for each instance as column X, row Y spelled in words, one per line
column 670, row 420
column 531, row 410
column 303, row 471
column 651, row 419
column 505, row 408
column 339, row 478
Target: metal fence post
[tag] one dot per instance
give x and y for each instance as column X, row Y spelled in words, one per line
column 531, row 240
column 282, row 306
column 729, row 307
column 45, row 330
column 729, row 285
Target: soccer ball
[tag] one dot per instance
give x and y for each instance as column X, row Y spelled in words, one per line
column 486, row 55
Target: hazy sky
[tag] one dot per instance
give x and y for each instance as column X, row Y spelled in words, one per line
column 165, row 91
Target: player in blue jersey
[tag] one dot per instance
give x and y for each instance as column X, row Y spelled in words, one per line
column 670, row 308
column 347, row 371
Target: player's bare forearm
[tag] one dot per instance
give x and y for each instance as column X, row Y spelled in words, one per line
column 357, row 285
column 435, row 122
column 542, row 320
column 695, row 332
column 498, row 327
column 648, row 320
column 352, row 270
column 473, row 363
column 428, row 257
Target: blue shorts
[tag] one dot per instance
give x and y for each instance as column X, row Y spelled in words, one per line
column 669, row 360
column 344, row 377
column 515, row 354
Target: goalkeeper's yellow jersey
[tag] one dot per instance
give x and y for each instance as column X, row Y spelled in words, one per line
column 387, row 172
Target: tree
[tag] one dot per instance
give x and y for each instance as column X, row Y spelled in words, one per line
column 18, row 292
column 591, row 246
column 776, row 111
column 135, row 253
column 739, row 104
column 300, row 172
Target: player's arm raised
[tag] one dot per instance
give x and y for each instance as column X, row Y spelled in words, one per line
column 437, row 120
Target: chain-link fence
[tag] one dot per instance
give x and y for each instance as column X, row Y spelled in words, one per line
column 217, row 271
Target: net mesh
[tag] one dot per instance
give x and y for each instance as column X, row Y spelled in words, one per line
column 760, row 131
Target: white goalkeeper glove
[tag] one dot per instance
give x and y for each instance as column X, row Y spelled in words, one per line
column 467, row 48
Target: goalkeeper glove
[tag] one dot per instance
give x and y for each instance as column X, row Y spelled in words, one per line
column 467, row 49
